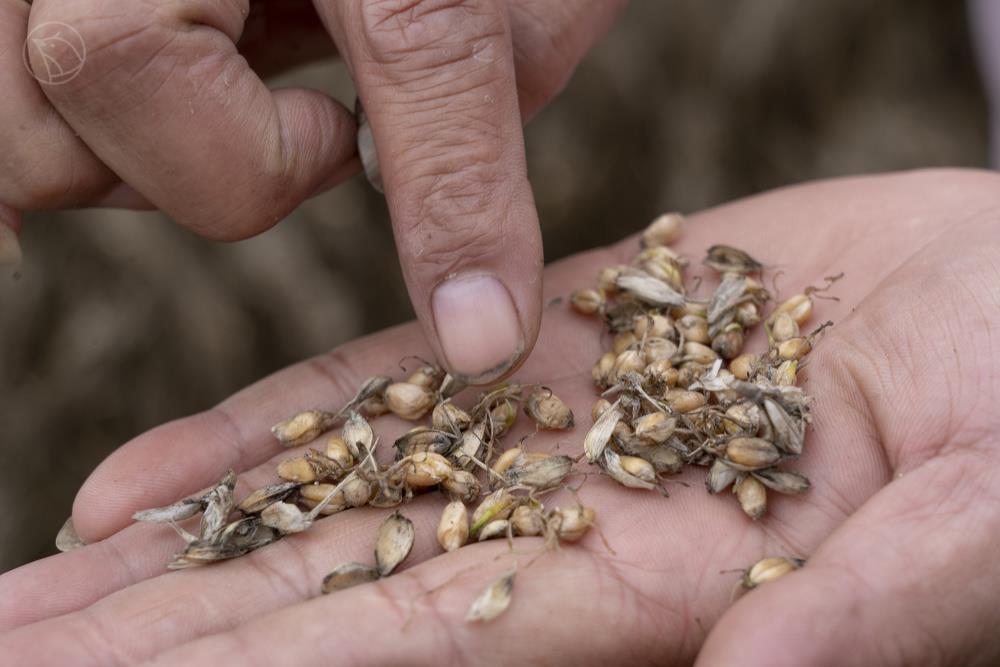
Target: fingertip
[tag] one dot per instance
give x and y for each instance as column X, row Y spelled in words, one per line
column 149, row 471
column 479, row 328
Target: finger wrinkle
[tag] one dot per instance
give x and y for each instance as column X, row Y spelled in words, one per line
column 273, row 567
column 237, row 443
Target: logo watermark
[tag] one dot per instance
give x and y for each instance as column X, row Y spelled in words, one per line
column 58, row 52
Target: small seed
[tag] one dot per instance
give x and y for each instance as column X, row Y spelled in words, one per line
column 312, row 495
column 743, row 418
column 665, row 270
column 462, row 485
column 684, row 401
column 785, row 374
column 502, row 416
column 302, row 428
column 423, row 439
column 794, row 349
column 600, row 433
column 664, row 458
column 689, row 372
column 652, row 325
column 629, row 361
column 425, row 469
column 453, row 529
column 623, row 340
column 728, row 343
column 783, row 481
column 338, row 451
column 541, row 473
column 694, row 328
column 648, row 289
column 285, row 517
column 744, row 366
column 664, row 230
column 67, row 539
column 752, row 496
column 182, row 509
column 721, row 387
column 470, row 446
column 720, row 476
column 769, row 569
column 373, row 407
column 752, row 453
column 699, row 354
column 449, row 417
column 261, row 498
column 348, row 575
column 725, row 259
column 427, row 376
column 656, row 427
column 599, row 407
column 638, row 467
column 494, row 529
column 393, row 543
column 692, row 308
column 623, row 432
column 789, row 434
column 662, row 373
column 373, row 387
column 528, row 521
column 800, row 307
column 547, row 410
column 573, row 522
column 601, row 373
column 607, row 279
column 298, row 470
column 357, row 434
column 408, row 400
column 493, row 601
column 748, row 315
column 506, row 460
column 784, row 328
column 498, row 505
column 357, row 492
column 614, row 466
column 587, row 301
column 658, row 349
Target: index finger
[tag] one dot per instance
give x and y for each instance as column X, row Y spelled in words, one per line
column 438, row 84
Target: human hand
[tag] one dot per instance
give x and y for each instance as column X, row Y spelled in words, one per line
column 170, row 100
column 900, row 527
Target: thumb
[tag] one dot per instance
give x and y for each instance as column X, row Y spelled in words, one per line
column 437, row 82
column 910, row 579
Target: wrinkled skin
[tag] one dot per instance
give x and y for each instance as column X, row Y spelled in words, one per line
column 901, row 527
column 169, row 110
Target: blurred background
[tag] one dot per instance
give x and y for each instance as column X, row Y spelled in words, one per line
column 119, row 321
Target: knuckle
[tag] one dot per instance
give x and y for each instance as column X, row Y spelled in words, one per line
column 458, row 218
column 35, row 177
column 428, row 33
column 125, row 43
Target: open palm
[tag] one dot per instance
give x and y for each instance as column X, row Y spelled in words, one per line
column 901, row 526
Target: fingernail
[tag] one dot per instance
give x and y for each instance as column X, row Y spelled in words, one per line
column 10, row 247
column 478, row 327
